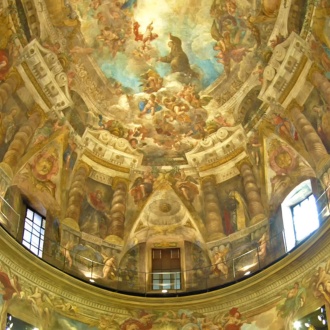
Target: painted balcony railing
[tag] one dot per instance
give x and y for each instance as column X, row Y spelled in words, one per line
column 9, row 218
column 129, row 280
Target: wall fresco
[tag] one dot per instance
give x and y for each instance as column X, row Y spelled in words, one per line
column 50, row 311
column 162, row 122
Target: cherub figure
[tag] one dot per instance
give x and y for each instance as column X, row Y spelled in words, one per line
column 220, row 263
column 65, row 250
column 150, row 105
column 148, row 36
column 109, row 266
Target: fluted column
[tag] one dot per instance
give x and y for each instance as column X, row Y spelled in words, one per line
column 213, row 219
column 321, row 83
column 76, row 195
column 9, row 86
column 311, row 139
column 256, row 209
column 116, row 220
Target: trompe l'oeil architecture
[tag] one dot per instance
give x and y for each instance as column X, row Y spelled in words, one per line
column 164, row 165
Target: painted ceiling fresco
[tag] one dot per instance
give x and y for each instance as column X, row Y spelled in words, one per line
column 175, row 128
column 168, row 64
column 163, row 96
column 166, row 113
column 140, row 44
column 161, row 123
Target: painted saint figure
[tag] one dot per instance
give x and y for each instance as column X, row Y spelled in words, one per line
column 177, row 58
column 241, row 213
column 187, row 185
column 95, row 220
column 142, row 187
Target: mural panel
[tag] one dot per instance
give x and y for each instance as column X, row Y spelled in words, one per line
column 52, row 311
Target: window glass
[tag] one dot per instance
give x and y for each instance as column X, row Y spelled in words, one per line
column 37, row 220
column 28, row 222
column 29, row 214
column 305, row 218
column 25, row 243
column 33, row 235
column 27, row 236
column 300, row 215
column 166, row 269
column 35, row 240
column 34, row 250
column 28, row 227
column 35, row 231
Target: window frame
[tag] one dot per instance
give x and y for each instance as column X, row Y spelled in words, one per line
column 297, row 196
column 296, row 222
column 167, row 278
column 34, row 229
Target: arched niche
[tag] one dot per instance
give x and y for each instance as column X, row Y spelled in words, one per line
column 78, row 115
column 249, row 105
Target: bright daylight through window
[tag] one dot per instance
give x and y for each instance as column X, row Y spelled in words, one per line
column 300, row 214
column 34, row 232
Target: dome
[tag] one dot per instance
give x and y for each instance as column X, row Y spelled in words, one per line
column 164, row 146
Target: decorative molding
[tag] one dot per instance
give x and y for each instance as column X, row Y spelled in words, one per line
column 218, row 148
column 222, row 161
column 104, row 163
column 249, row 295
column 111, row 150
column 287, row 69
column 43, row 74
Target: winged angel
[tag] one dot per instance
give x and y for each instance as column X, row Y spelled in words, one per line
column 321, row 283
column 294, row 299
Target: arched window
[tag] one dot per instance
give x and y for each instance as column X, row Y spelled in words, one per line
column 300, row 215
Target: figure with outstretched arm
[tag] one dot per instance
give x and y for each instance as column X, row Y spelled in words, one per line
column 177, row 58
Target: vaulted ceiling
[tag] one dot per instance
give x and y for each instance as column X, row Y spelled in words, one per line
column 156, row 122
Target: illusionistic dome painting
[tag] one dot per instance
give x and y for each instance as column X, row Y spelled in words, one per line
column 167, row 70
column 138, row 127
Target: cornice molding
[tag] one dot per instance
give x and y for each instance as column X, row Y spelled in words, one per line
column 251, row 294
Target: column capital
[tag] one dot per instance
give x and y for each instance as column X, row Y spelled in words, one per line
column 209, row 178
column 113, row 239
column 36, row 110
column 314, row 69
column 84, row 167
column 117, row 180
column 14, row 74
column 292, row 105
column 71, row 223
column 244, row 161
